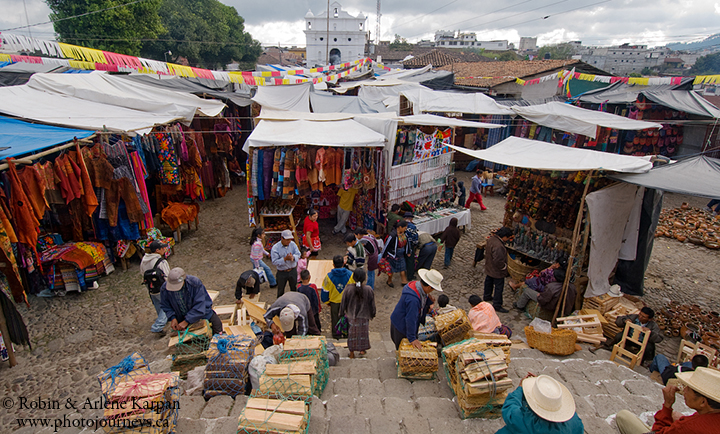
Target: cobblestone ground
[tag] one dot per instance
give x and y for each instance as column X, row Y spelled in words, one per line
column 78, row 336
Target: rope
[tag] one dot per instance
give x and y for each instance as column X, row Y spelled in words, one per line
column 222, row 345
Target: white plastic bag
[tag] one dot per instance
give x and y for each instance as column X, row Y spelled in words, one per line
column 194, row 383
column 256, row 368
column 542, row 326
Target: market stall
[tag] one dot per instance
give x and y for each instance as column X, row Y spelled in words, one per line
column 546, row 208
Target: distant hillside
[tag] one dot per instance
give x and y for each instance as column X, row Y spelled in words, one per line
column 708, row 42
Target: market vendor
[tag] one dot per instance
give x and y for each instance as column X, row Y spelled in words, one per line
column 414, row 304
column 483, row 318
column 645, row 320
column 250, row 282
column 496, row 267
column 186, row 301
column 392, row 217
column 295, row 315
column 311, row 232
column 345, row 206
column 549, row 296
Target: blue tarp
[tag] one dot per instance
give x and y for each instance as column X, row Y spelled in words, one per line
column 25, row 138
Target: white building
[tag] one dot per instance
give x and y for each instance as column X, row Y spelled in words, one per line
column 450, row 39
column 345, row 38
column 528, row 44
column 624, row 59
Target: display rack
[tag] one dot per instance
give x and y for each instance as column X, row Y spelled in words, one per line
column 288, row 214
column 420, row 179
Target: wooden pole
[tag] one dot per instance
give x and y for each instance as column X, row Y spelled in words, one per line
column 6, row 339
column 573, row 251
column 30, row 158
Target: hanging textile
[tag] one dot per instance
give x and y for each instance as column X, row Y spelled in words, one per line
column 26, row 223
column 34, row 188
column 141, row 174
column 8, row 264
column 170, row 173
column 288, row 185
column 268, row 175
column 15, row 324
column 253, row 159
column 258, row 177
column 301, row 172
column 89, row 199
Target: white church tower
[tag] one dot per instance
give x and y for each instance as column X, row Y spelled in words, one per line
column 345, row 39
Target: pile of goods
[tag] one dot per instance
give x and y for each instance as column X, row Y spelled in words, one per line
column 453, row 326
column 134, row 396
column 690, row 224
column 417, row 364
column 278, row 207
column 191, row 347
column 587, row 326
column 312, row 349
column 269, row 416
column 560, row 342
column 293, row 380
column 427, row 332
column 611, row 308
column 228, row 358
column 476, row 370
column 690, row 321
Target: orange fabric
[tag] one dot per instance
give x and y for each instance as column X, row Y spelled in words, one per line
column 34, row 187
column 25, row 221
column 176, row 214
column 483, row 318
column 7, row 225
column 89, row 199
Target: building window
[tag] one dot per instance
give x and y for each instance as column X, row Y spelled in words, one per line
column 334, row 39
column 335, row 27
column 335, row 12
column 321, row 39
column 349, row 39
column 309, row 25
column 361, row 24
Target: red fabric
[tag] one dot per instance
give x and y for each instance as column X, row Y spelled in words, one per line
column 89, row 199
column 34, row 187
column 313, row 228
column 695, row 424
column 26, row 223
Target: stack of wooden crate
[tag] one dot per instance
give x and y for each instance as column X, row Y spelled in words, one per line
column 270, row 416
column 417, row 364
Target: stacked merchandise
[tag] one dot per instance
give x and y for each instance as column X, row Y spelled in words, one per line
column 134, row 395
column 417, row 364
column 453, row 326
column 309, row 348
column 228, row 358
column 602, row 303
column 476, row 370
column 587, row 326
column 625, row 306
column 292, row 380
column 690, row 224
column 191, row 346
column 72, row 266
column 271, row 416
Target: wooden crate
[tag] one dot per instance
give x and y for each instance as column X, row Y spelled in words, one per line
column 602, row 303
column 453, row 326
column 267, row 415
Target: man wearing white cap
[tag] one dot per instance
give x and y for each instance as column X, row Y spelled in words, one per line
column 701, row 392
column 414, row 304
column 186, row 301
column 295, row 315
column 284, row 255
column 540, row 405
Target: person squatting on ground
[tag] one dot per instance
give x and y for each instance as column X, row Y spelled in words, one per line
column 185, row 301
column 414, row 304
column 285, row 256
column 333, row 286
column 496, row 267
column 154, row 262
column 249, row 281
column 358, row 306
column 483, row 318
column 701, row 390
column 295, row 315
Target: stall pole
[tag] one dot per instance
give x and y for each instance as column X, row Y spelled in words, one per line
column 6, row 338
column 573, row 251
column 30, row 158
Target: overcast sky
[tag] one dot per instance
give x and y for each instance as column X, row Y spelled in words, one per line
column 594, row 22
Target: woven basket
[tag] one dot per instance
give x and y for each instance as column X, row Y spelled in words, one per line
column 518, row 270
column 559, row 342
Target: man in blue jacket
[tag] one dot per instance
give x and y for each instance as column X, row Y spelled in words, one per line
column 185, row 301
column 415, row 302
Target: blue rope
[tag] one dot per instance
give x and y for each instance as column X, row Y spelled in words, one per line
column 123, row 368
column 222, row 345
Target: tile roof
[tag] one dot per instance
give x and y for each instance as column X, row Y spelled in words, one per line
column 438, row 58
column 489, row 74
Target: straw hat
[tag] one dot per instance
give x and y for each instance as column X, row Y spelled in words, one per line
column 704, row 381
column 614, row 291
column 548, row 398
column 432, row 278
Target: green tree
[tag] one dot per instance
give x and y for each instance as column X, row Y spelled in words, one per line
column 646, row 71
column 634, row 74
column 120, row 30
column 206, row 32
column 707, row 65
column 400, row 43
column 559, row 51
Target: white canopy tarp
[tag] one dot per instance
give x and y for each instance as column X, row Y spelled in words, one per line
column 566, row 117
column 341, row 133
column 534, row 154
column 28, row 103
column 107, row 89
column 434, row 120
column 426, row 100
column 294, row 97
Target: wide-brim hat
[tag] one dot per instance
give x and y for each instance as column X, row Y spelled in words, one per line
column 615, row 291
column 432, row 278
column 704, row 381
column 548, row 398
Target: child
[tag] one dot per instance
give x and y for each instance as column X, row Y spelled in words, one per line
column 449, row 239
column 356, row 252
column 302, row 262
column 488, row 184
column 443, row 306
column 311, row 292
column 461, row 197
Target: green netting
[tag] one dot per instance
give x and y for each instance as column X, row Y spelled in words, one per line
column 130, row 367
column 417, row 364
column 290, row 387
column 226, row 371
column 451, row 353
column 282, row 416
column 146, row 404
column 191, row 348
column 484, row 406
column 319, row 355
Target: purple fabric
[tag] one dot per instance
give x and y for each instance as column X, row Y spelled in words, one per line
column 267, row 161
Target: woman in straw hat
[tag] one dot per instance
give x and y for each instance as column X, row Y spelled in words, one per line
column 540, row 405
column 702, row 393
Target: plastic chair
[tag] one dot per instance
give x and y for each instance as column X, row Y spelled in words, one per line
column 639, row 337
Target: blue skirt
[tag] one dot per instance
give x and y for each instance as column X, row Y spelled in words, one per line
column 397, row 264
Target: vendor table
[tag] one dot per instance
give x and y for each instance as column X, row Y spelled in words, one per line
column 437, row 225
column 318, row 270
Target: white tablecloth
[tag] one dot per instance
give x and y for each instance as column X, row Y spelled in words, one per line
column 439, row 225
